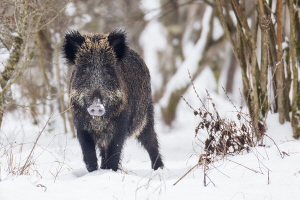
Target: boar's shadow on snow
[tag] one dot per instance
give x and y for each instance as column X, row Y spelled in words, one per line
column 110, row 97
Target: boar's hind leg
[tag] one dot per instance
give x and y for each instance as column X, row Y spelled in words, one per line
column 112, row 154
column 88, row 150
column 149, row 140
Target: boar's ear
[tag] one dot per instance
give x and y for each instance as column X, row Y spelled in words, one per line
column 117, row 40
column 72, row 42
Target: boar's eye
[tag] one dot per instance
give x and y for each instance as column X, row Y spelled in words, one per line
column 108, row 70
column 84, row 70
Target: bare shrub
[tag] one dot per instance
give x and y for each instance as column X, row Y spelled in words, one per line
column 225, row 136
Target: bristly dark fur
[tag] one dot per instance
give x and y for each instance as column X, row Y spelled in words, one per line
column 106, row 69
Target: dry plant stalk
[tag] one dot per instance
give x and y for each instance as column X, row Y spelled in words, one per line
column 29, row 158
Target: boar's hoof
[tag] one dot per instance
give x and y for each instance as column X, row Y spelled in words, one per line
column 158, row 164
column 92, row 167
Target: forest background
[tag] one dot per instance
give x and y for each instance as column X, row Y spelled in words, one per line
column 251, row 47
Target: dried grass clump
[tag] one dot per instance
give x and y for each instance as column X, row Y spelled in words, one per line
column 226, row 136
column 14, row 164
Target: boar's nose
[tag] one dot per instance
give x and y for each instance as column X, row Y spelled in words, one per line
column 96, row 109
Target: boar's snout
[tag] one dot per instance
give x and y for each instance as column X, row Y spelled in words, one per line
column 96, row 109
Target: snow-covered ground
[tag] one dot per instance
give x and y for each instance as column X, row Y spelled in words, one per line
column 56, row 170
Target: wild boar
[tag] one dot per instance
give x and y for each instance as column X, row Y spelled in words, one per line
column 110, row 97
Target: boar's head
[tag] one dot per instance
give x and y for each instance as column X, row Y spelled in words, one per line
column 96, row 87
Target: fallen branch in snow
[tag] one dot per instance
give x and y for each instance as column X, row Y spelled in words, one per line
column 255, row 171
column 186, row 174
column 269, row 177
column 204, row 179
column 42, row 186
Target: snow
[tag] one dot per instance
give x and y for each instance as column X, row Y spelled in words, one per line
column 3, row 58
column 150, row 8
column 218, row 31
column 58, row 172
column 70, row 9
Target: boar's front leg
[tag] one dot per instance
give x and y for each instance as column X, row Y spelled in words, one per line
column 112, row 154
column 88, row 150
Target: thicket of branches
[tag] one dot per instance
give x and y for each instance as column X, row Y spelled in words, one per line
column 267, row 50
column 263, row 36
column 32, row 55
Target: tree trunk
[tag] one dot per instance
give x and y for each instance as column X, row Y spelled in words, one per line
column 295, row 84
column 7, row 74
column 263, row 20
column 279, row 64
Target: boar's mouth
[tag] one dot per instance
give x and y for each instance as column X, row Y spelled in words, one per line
column 97, row 109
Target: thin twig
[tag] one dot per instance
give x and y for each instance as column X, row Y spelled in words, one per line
column 61, row 164
column 186, row 174
column 255, row 171
column 62, row 112
column 275, row 145
column 43, row 26
column 187, row 103
column 210, row 180
column 194, row 88
column 34, row 145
